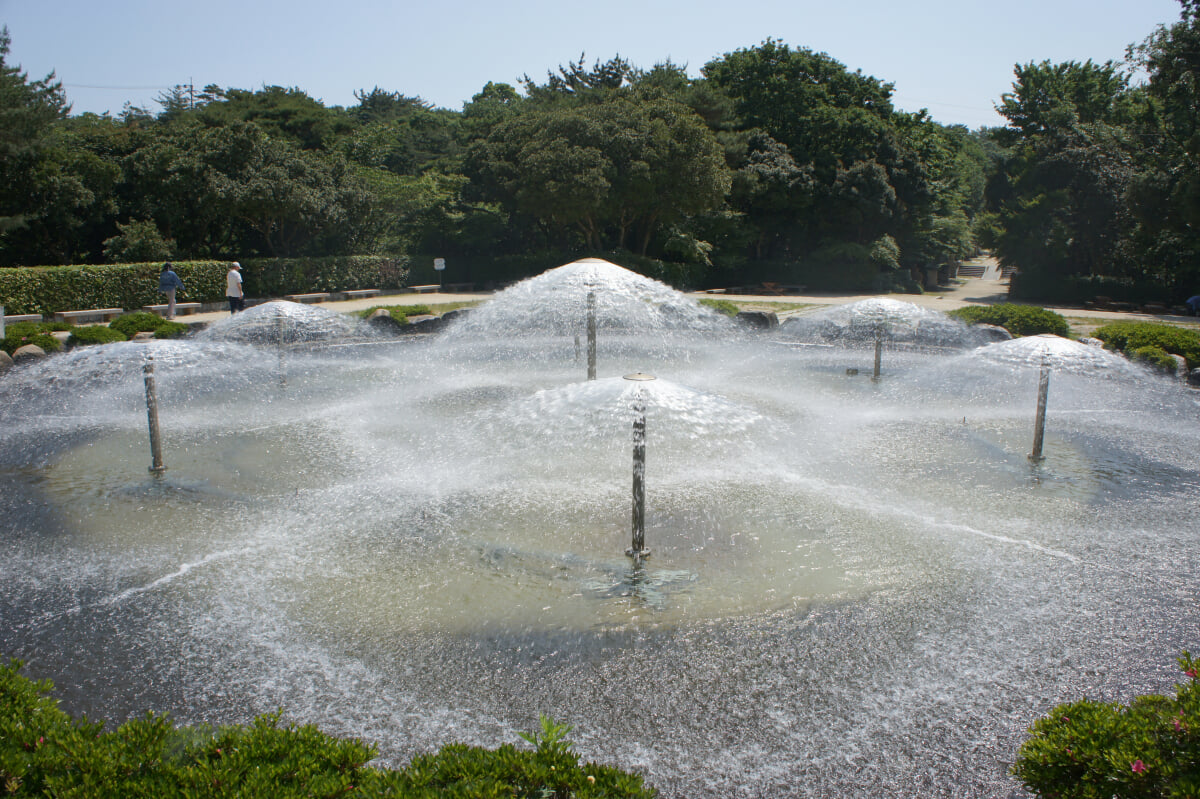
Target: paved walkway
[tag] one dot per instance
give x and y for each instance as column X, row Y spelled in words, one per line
column 987, row 290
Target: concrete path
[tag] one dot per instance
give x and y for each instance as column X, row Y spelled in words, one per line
column 986, row 290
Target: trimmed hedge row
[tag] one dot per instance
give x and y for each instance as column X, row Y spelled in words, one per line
column 46, row 289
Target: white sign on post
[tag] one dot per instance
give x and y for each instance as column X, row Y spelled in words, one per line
column 439, row 264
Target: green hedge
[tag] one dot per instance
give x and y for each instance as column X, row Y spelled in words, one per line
column 46, row 289
column 43, row 752
column 1020, row 320
column 1130, row 336
column 1076, row 289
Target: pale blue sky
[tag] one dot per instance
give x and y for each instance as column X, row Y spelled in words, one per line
column 953, row 57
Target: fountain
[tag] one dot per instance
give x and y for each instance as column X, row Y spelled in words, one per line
column 857, row 588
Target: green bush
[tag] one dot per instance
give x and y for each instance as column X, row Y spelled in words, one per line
column 1087, row 749
column 18, row 334
column 1156, row 357
column 1020, row 320
column 1130, row 336
column 171, row 329
column 721, row 306
column 138, row 322
column 95, row 334
column 43, row 752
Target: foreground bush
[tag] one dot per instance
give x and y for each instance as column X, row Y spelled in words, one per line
column 95, row 334
column 18, row 334
column 1020, row 320
column 143, row 322
column 1130, row 336
column 1088, row 750
column 43, row 752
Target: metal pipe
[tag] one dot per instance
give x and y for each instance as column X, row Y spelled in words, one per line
column 878, row 351
column 1039, row 425
column 280, row 331
column 156, row 464
column 591, row 335
column 638, row 550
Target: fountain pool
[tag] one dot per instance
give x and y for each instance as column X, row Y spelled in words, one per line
column 857, row 587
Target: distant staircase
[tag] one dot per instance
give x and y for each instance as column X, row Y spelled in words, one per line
column 972, row 270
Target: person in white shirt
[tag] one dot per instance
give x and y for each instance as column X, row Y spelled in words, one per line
column 233, row 289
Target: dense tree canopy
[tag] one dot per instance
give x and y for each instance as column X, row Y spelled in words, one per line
column 777, row 162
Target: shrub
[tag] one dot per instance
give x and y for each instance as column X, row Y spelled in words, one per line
column 1085, row 749
column 139, row 322
column 721, row 306
column 1130, row 336
column 44, row 752
column 96, row 334
column 171, row 329
column 1020, row 320
column 1156, row 357
column 19, row 334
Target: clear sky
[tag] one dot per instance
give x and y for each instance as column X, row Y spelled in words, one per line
column 952, row 57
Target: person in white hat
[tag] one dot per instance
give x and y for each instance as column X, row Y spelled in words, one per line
column 233, row 289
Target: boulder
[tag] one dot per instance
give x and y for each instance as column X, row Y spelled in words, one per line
column 5, row 360
column 27, row 353
column 992, row 333
column 1092, row 342
column 760, row 320
column 144, row 335
column 1194, row 377
column 383, row 322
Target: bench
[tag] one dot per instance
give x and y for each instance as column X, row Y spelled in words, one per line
column 22, row 317
column 360, row 293
column 71, row 317
column 180, row 308
column 423, row 289
column 316, row 297
column 715, row 291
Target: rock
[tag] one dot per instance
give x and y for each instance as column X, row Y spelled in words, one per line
column 760, row 320
column 992, row 333
column 144, row 335
column 1193, row 377
column 382, row 321
column 27, row 353
column 1092, row 342
column 5, row 360
column 1181, row 370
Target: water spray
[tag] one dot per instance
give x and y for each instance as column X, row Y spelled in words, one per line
column 156, row 464
column 591, row 335
column 279, row 341
column 1039, row 425
column 638, row 549
column 878, row 350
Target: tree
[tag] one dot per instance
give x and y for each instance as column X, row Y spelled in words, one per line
column 1064, row 206
column 614, row 171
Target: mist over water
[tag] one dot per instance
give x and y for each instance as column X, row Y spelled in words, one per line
column 856, row 587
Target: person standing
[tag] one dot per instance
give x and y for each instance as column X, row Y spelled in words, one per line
column 169, row 283
column 233, row 289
